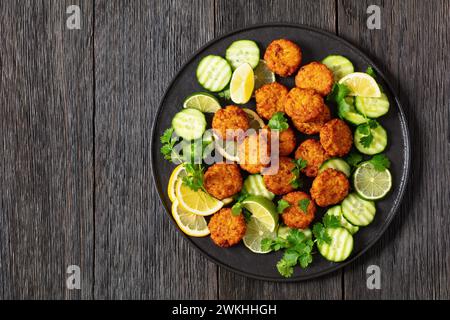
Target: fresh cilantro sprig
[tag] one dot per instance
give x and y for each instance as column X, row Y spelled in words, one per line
column 225, row 94
column 237, row 208
column 338, row 93
column 282, row 205
column 380, row 162
column 320, row 228
column 354, row 159
column 168, row 140
column 278, row 122
column 194, row 176
column 300, row 164
column 366, row 132
column 303, row 204
column 371, row 72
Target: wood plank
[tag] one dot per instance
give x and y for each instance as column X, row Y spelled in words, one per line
column 139, row 46
column 412, row 47
column 46, row 131
column 231, row 15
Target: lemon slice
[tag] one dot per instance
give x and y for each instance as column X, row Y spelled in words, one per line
column 197, row 202
column 263, row 210
column 191, row 224
column 226, row 148
column 255, row 121
column 177, row 173
column 263, row 75
column 242, row 84
column 361, row 84
column 255, row 233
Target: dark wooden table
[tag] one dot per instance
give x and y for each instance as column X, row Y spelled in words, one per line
column 76, row 108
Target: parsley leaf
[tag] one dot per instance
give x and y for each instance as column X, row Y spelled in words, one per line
column 168, row 140
column 364, row 129
column 300, row 164
column 331, row 221
column 320, row 233
column 285, row 269
column 194, row 176
column 236, row 209
column 282, row 204
column 338, row 93
column 303, row 204
column 278, row 122
column 371, row 72
column 380, row 162
column 354, row 159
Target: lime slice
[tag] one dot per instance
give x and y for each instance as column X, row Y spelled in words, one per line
column 196, row 202
column 191, row 224
column 226, row 148
column 361, row 84
column 256, row 232
column 177, row 173
column 370, row 183
column 263, row 75
column 255, row 121
column 263, row 210
column 203, row 102
column 242, row 84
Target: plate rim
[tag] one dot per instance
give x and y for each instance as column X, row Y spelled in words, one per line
column 404, row 128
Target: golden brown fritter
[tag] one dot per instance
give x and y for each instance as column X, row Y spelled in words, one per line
column 222, row 180
column 280, row 182
column 293, row 216
column 270, row 99
column 254, row 151
column 283, row 57
column 336, row 138
column 329, row 187
column 230, row 118
column 227, row 229
column 311, row 150
column 286, row 141
column 316, row 76
column 313, row 127
column 304, row 105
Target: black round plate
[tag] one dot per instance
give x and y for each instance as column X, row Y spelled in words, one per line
column 316, row 45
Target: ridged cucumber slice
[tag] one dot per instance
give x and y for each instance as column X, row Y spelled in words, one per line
column 336, row 164
column 340, row 66
column 372, row 107
column 341, row 245
column 358, row 211
column 337, row 212
column 189, row 124
column 378, row 143
column 254, row 185
column 347, row 111
column 243, row 51
column 213, row 73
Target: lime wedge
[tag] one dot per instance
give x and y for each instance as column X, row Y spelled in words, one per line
column 370, row 183
column 263, row 210
column 256, row 232
column 242, row 84
column 263, row 75
column 361, row 84
column 203, row 102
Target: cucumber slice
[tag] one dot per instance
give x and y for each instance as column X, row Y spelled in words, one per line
column 340, row 66
column 213, row 73
column 336, row 164
column 341, row 245
column 283, row 232
column 372, row 107
column 254, row 185
column 337, row 212
column 358, row 211
column 347, row 111
column 189, row 124
column 378, row 143
column 243, row 51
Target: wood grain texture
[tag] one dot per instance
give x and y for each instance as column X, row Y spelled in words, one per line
column 232, row 15
column 46, row 154
column 412, row 47
column 139, row 46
